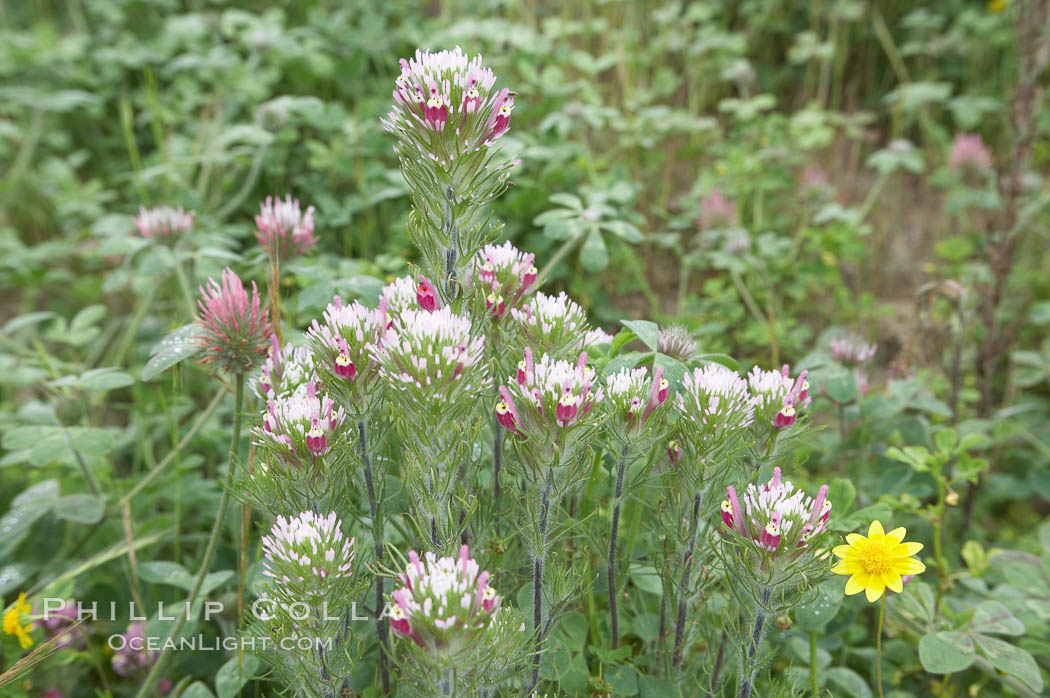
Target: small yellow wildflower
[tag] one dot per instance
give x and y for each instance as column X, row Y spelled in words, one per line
column 998, row 5
column 877, row 562
column 13, row 622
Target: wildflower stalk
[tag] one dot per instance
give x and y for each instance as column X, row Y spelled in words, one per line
column 718, row 660
column 497, row 456
column 747, row 677
column 679, row 631
column 377, row 537
column 538, row 562
column 184, row 283
column 614, row 615
column 209, row 551
column 814, row 682
column 878, row 646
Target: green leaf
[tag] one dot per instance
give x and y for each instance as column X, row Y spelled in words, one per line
column 367, row 288
column 946, row 439
column 567, row 200
column 849, row 681
column 80, row 508
column 991, row 617
column 231, row 677
column 28, row 320
column 723, row 359
column 197, row 689
column 105, row 379
column 815, row 615
column 946, row 652
column 645, row 330
column 917, row 600
column 623, row 679
column 646, row 578
column 166, row 572
column 625, row 231
column 841, row 493
column 574, row 627
column 652, row 687
column 177, row 346
column 1012, row 660
column 622, row 339
column 841, row 387
column 26, row 509
column 594, row 256
column 976, row 558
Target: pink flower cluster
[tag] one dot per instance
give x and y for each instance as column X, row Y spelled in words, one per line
column 634, row 396
column 307, row 553
column 282, row 229
column 445, row 603
column 286, row 371
column 235, row 329
column 715, row 401
column 851, row 349
column 300, row 428
column 969, row 153
column 775, row 516
column 448, row 93
column 133, row 654
column 343, row 346
column 432, row 358
column 508, row 273
column 553, row 395
column 777, row 395
column 716, row 211
column 163, row 221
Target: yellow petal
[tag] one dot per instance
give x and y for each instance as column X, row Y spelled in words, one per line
column 841, row 568
column 875, row 529
column 854, row 538
column 909, row 566
column 906, row 549
column 840, row 550
column 875, row 588
column 855, row 584
column 893, row 581
column 897, row 534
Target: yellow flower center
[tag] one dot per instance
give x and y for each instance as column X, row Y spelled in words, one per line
column 875, row 557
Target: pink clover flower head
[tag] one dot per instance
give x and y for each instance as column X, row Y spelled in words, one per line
column 235, row 329
column 163, row 222
column 283, row 229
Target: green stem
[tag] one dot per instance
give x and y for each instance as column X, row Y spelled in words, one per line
column 878, row 647
column 133, row 327
column 561, row 252
column 814, row 683
column 614, row 616
column 151, row 679
column 168, row 459
column 184, row 282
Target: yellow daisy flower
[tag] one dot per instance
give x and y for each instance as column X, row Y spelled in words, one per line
column 13, row 621
column 877, row 562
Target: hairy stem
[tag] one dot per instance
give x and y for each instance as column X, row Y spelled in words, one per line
column 750, row 671
column 719, row 658
column 209, row 552
column 377, row 537
column 614, row 615
column 679, row 630
column 538, row 562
